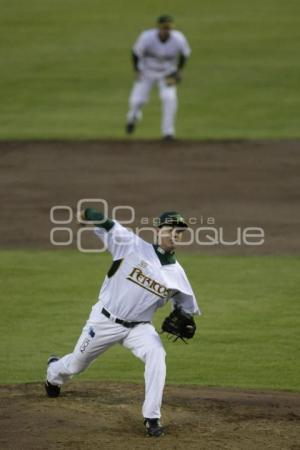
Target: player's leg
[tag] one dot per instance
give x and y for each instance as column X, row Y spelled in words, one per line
column 168, row 96
column 138, row 97
column 95, row 339
column 145, row 343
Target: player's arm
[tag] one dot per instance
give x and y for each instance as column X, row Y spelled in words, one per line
column 135, row 64
column 175, row 77
column 181, row 61
column 117, row 239
column 93, row 216
column 135, row 61
column 186, row 302
column 183, row 56
column 138, row 51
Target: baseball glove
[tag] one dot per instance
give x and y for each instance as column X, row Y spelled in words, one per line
column 173, row 78
column 179, row 324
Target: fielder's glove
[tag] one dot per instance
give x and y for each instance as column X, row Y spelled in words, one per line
column 180, row 324
column 173, row 78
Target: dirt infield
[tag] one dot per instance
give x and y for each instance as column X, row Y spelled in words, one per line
column 238, row 184
column 107, row 416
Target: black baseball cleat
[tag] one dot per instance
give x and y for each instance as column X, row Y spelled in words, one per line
column 51, row 389
column 130, row 127
column 153, row 427
column 169, row 138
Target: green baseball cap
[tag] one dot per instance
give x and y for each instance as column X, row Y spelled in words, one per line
column 172, row 218
column 165, row 18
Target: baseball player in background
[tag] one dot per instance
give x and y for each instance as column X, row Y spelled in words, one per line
column 142, row 278
column 158, row 56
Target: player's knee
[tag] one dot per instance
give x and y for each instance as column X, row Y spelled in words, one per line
column 137, row 105
column 157, row 353
column 168, row 95
column 156, row 360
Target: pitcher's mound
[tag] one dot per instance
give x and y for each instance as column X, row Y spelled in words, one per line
column 102, row 415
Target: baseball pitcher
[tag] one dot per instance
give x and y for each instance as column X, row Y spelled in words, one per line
column 142, row 278
column 158, row 56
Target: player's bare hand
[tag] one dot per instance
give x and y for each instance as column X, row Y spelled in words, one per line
column 173, row 78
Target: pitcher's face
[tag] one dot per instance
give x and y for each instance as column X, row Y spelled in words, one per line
column 168, row 237
column 164, row 30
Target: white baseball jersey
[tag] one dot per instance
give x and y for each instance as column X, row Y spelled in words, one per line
column 140, row 284
column 157, row 58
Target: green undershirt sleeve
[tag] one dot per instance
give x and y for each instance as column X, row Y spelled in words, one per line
column 95, row 216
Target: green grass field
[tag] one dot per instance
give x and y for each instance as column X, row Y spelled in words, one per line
column 248, row 335
column 65, row 69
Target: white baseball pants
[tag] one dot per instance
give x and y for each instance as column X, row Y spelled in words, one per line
column 140, row 95
column 96, row 338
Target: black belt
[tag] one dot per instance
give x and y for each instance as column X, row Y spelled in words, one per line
column 120, row 321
